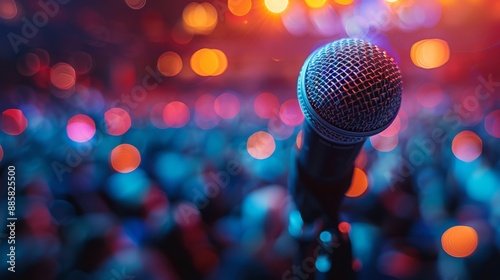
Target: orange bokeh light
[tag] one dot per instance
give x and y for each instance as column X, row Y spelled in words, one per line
column 125, row 158
column 459, row 241
column 261, row 145
column 467, row 146
column 63, row 76
column 239, row 7
column 169, row 64
column 359, row 183
column 117, row 121
column 200, row 18
column 298, row 140
column 14, row 122
column 430, row 53
column 176, row 114
column 209, row 62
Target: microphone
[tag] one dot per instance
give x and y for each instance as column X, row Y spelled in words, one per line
column 348, row 90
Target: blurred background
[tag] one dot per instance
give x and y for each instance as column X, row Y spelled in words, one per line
column 151, row 139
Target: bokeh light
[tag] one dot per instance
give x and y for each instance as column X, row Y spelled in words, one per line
column 14, row 122
column 467, row 146
column 290, row 113
column 205, row 116
column 8, row 9
column 315, row 3
column 459, row 241
column 276, row 6
column 359, row 183
column 492, row 123
column 344, row 227
column 63, row 76
column 200, row 18
column 266, row 105
column 298, row 140
column 361, row 160
column 209, row 62
column 80, row 128
column 176, row 114
column 169, row 64
column 392, row 129
column 239, row 7
column 1, row 153
column 117, row 121
column 227, row 105
column 125, row 158
column 261, row 145
column 344, row 2
column 430, row 53
column 384, row 144
column 136, row 4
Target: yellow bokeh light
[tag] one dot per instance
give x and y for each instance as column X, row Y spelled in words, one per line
column 261, row 145
column 169, row 64
column 459, row 241
column 315, row 3
column 276, row 6
column 344, row 2
column 200, row 18
column 430, row 53
column 209, row 62
column 239, row 7
column 359, row 183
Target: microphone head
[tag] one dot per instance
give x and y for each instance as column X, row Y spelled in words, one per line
column 349, row 90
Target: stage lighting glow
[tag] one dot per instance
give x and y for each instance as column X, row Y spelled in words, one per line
column 125, row 158
column 344, row 227
column 200, row 18
column 359, row 183
column 276, row 6
column 80, row 128
column 8, row 9
column 429, row 95
column 208, row 62
column 315, row 3
column 63, row 76
column 266, row 105
column 384, row 144
column 14, row 122
column 176, row 114
column 239, row 7
column 459, row 241
column 227, row 105
column 169, row 64
column 117, row 121
column 136, row 4
column 467, row 146
column 29, row 65
column 492, row 123
column 344, row 2
column 290, row 113
column 430, row 53
column 261, row 145
column 298, row 140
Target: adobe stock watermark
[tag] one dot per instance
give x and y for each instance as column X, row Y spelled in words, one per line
column 30, row 28
column 453, row 118
column 127, row 101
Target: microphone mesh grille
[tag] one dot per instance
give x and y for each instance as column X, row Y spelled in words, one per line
column 354, row 86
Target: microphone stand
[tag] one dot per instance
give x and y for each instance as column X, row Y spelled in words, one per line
column 324, row 252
